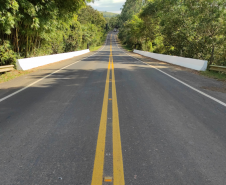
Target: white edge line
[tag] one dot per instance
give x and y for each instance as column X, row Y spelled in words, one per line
column 204, row 94
column 18, row 91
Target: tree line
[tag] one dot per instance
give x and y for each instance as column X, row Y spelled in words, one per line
column 187, row 28
column 41, row 27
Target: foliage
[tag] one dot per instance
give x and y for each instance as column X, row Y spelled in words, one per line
column 194, row 29
column 109, row 14
column 7, row 56
column 42, row 27
column 93, row 26
column 214, row 74
column 113, row 22
column 130, row 8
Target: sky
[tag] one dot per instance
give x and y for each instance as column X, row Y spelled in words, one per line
column 108, row 5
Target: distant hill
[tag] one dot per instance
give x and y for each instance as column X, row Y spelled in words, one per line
column 109, row 14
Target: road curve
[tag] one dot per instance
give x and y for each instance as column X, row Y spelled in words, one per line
column 108, row 118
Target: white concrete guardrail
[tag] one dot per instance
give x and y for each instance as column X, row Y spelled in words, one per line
column 199, row 65
column 29, row 63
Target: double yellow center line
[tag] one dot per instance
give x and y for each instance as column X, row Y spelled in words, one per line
column 118, row 172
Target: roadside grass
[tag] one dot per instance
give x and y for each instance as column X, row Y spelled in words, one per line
column 95, row 48
column 214, row 74
column 126, row 47
column 7, row 76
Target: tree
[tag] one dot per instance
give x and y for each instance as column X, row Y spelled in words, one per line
column 194, row 29
column 40, row 27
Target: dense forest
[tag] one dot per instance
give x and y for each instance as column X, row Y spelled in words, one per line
column 111, row 19
column 41, row 27
column 191, row 28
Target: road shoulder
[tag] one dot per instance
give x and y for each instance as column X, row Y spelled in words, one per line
column 15, row 84
column 213, row 87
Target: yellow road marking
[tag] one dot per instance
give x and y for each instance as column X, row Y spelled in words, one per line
column 97, row 177
column 118, row 172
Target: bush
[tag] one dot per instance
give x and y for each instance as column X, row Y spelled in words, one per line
column 7, row 55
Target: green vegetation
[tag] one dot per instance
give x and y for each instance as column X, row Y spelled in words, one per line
column 128, row 48
column 111, row 19
column 112, row 22
column 214, row 74
column 7, row 56
column 4, row 77
column 94, row 48
column 39, row 27
column 194, row 29
column 14, row 74
column 109, row 14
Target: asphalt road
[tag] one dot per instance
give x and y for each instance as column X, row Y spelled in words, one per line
column 109, row 117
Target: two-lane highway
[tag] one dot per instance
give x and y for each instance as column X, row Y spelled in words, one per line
column 111, row 119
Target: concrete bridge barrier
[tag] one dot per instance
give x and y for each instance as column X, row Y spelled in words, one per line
column 29, row 63
column 196, row 64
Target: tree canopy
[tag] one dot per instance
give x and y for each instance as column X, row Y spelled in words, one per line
column 39, row 27
column 194, row 29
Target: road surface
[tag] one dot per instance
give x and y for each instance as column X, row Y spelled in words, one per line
column 109, row 119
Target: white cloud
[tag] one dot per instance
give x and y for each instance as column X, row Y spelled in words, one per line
column 108, row 5
column 118, row 1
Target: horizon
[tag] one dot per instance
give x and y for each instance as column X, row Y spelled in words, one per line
column 112, row 6
column 108, row 12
